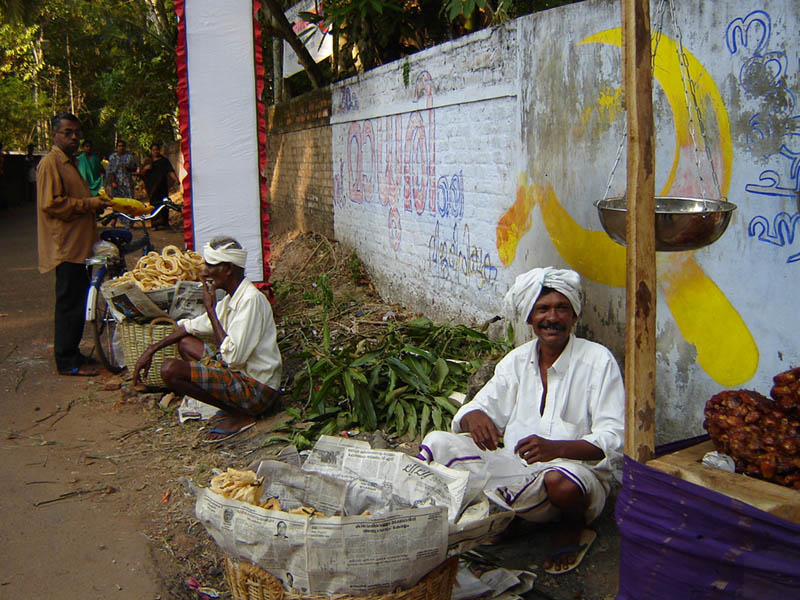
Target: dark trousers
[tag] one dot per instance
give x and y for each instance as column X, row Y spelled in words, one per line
column 72, row 285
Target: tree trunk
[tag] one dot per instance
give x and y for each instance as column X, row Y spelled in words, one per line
column 277, row 70
column 285, row 28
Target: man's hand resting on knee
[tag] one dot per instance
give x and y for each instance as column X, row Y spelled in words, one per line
column 483, row 430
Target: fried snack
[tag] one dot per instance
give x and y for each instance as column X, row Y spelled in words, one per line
column 155, row 271
column 247, row 487
column 238, row 485
column 271, row 504
column 761, row 434
column 307, row 511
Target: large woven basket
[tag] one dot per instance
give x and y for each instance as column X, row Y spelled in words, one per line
column 136, row 338
column 249, row 582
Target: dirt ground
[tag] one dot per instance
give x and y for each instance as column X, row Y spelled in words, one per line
column 94, row 505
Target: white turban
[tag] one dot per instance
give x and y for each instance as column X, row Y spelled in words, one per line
column 520, row 299
column 214, row 256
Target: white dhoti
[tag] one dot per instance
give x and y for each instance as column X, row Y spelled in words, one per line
column 508, row 480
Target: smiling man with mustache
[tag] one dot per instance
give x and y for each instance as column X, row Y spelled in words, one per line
column 546, row 431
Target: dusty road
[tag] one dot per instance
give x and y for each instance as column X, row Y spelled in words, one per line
column 66, row 518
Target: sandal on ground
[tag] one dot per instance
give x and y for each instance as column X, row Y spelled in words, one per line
column 82, row 371
column 584, row 543
column 227, row 433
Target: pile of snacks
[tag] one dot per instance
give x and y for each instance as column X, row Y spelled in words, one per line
column 246, row 486
column 762, row 435
column 155, row 271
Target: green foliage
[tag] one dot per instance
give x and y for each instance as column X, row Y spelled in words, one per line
column 355, row 267
column 321, row 294
column 399, row 381
column 113, row 65
column 373, row 32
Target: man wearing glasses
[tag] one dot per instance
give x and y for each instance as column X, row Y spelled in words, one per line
column 66, row 227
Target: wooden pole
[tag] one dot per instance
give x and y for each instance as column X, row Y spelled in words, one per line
column 641, row 291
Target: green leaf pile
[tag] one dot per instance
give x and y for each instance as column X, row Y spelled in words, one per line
column 398, row 380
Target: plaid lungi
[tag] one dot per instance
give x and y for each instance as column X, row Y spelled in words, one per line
column 237, row 390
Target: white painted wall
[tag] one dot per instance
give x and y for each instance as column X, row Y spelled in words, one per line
column 528, row 119
column 420, row 166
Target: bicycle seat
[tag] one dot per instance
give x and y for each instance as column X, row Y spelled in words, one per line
column 118, row 237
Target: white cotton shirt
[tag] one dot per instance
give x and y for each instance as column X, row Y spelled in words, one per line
column 585, row 400
column 250, row 345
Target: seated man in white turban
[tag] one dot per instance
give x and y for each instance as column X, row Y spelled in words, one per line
column 240, row 375
column 546, row 431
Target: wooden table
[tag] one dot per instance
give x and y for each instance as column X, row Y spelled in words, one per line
column 686, row 464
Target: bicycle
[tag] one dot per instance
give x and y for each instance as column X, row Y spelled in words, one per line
column 109, row 259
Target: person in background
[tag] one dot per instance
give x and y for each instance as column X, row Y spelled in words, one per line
column 158, row 176
column 545, row 434
column 90, row 168
column 66, row 231
column 121, row 167
column 241, row 374
column 30, row 174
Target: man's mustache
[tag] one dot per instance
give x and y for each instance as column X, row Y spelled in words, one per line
column 552, row 325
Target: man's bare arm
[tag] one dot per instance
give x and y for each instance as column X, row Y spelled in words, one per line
column 483, row 430
column 535, row 448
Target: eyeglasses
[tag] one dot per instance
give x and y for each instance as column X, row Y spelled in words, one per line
column 71, row 132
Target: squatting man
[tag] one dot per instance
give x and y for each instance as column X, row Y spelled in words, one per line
column 546, row 431
column 241, row 373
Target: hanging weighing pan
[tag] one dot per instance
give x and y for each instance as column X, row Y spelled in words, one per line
column 681, row 223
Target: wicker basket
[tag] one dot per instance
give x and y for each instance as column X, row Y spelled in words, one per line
column 136, row 338
column 248, row 582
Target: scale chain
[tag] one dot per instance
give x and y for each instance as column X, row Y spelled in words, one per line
column 689, row 90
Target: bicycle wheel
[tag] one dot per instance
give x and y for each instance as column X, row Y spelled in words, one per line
column 106, row 336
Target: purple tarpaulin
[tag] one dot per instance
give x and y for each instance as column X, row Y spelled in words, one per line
column 680, row 540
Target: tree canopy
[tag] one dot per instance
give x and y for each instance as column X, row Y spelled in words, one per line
column 112, row 63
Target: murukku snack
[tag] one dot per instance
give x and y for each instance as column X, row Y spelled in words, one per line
column 155, row 271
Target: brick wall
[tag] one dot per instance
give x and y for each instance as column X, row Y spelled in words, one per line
column 299, row 162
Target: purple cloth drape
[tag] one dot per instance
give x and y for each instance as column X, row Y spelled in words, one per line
column 680, row 540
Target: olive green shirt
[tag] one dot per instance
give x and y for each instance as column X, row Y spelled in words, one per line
column 65, row 213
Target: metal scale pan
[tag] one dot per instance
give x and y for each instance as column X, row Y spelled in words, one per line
column 680, row 223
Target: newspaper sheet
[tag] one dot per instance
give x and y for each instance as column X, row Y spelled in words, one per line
column 187, row 301
column 162, row 297
column 398, row 479
column 480, row 521
column 274, row 540
column 130, row 301
column 295, row 488
column 328, row 555
column 503, row 584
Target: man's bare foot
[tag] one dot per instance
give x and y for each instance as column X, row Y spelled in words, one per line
column 570, row 546
column 226, row 427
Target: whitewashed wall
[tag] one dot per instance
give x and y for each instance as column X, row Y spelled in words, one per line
column 527, row 120
column 423, row 155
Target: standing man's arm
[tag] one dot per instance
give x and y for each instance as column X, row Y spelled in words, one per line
column 55, row 202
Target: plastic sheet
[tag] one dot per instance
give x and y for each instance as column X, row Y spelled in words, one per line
column 683, row 541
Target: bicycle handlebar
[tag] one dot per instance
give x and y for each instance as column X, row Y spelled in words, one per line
column 167, row 204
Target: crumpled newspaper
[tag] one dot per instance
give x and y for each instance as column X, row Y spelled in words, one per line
column 717, row 460
column 191, row 409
